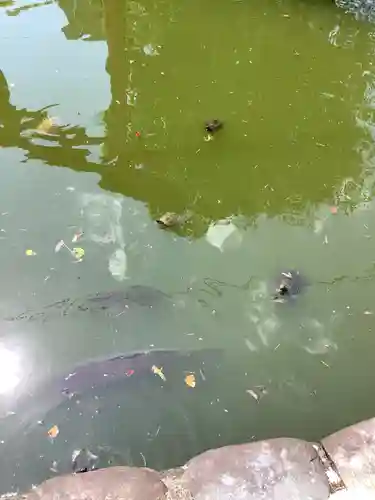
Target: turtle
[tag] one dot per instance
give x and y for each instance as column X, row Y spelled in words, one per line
column 172, row 219
column 289, row 284
column 213, row 126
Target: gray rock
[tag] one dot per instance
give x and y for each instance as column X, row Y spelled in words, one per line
column 362, row 9
column 353, row 452
column 115, row 483
column 277, row 469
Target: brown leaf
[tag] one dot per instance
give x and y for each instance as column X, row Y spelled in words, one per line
column 53, row 432
column 190, row 380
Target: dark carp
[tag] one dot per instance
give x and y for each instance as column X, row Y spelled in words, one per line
column 112, row 303
column 108, row 411
column 95, row 377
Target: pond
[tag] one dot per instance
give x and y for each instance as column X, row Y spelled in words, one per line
column 103, row 106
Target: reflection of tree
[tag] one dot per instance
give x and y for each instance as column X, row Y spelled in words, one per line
column 84, row 19
column 17, row 10
column 19, row 129
column 253, row 167
column 117, row 68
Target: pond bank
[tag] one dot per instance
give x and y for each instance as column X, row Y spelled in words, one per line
column 341, row 465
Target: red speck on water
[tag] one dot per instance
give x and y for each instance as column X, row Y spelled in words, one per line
column 129, row 373
column 138, row 134
column 333, row 210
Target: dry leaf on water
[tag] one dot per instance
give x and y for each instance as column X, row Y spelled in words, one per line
column 159, row 372
column 53, row 432
column 190, row 380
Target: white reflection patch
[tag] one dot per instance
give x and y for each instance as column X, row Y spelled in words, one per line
column 9, row 370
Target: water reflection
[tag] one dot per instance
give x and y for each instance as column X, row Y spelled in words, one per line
column 10, row 370
column 67, row 144
column 178, row 169
column 15, row 11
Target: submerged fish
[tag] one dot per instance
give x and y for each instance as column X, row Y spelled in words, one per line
column 132, row 368
column 111, row 412
column 115, row 302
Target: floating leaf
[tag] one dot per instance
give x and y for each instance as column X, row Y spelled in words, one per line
column 78, row 252
column 30, row 252
column 190, row 380
column 53, row 432
column 59, row 246
column 159, row 372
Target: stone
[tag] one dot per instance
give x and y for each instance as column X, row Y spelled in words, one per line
column 276, row 469
column 114, row 483
column 353, row 452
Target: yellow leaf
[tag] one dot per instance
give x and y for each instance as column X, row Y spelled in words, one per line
column 30, row 252
column 78, row 252
column 190, row 380
column 53, row 431
column 159, row 372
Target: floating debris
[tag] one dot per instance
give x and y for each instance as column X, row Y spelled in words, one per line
column 143, row 459
column 59, row 245
column 333, row 210
column 149, row 50
column 159, row 372
column 53, row 432
column 190, row 380
column 83, row 460
column 77, row 236
column 259, row 393
column 54, row 467
column 213, row 126
column 325, row 364
column 30, row 252
column 77, row 252
column 253, row 394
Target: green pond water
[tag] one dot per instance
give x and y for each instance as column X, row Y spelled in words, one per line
column 102, row 112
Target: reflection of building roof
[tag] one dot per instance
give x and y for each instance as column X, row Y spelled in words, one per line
column 85, row 19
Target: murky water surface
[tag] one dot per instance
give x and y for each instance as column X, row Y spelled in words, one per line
column 102, row 112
